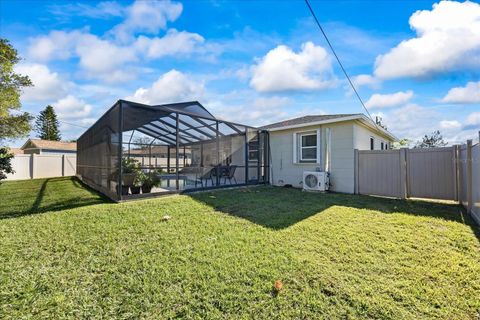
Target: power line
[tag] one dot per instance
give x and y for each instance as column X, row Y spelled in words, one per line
column 36, row 115
column 338, row 59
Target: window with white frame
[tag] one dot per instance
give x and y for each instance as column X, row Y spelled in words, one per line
column 308, row 147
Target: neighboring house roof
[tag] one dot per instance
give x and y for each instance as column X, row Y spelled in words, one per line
column 324, row 119
column 49, row 144
column 16, row 150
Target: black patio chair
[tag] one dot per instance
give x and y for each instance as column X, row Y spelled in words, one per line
column 230, row 174
column 208, row 175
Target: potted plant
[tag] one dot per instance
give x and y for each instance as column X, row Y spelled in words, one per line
column 130, row 169
column 149, row 180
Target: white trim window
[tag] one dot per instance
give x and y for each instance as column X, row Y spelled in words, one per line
column 306, row 147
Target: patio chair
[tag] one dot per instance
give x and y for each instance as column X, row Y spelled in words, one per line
column 230, row 174
column 207, row 174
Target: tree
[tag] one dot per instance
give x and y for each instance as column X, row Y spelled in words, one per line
column 5, row 163
column 379, row 122
column 402, row 143
column 11, row 84
column 433, row 141
column 46, row 125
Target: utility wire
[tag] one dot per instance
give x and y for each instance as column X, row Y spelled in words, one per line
column 36, row 115
column 338, row 59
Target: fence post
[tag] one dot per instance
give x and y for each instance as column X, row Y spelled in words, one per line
column 63, row 165
column 469, row 176
column 404, row 192
column 355, row 170
column 33, row 162
column 456, row 173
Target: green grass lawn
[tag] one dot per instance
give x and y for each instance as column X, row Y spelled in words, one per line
column 66, row 252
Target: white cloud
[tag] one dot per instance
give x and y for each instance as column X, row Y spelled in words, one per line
column 448, row 38
column 389, row 100
column 281, row 69
column 366, row 80
column 468, row 94
column 101, row 57
column 109, row 61
column 411, row 121
column 172, row 86
column 450, row 124
column 56, row 45
column 473, row 118
column 271, row 102
column 98, row 58
column 174, row 42
column 72, row 108
column 147, row 16
column 47, row 85
column 104, row 9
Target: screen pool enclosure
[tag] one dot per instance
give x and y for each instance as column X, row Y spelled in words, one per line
column 136, row 150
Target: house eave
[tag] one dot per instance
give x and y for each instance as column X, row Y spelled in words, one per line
column 360, row 117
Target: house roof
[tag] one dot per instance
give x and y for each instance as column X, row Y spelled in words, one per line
column 16, row 150
column 49, row 144
column 305, row 120
column 324, row 119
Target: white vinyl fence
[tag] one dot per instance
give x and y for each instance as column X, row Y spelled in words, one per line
column 407, row 173
column 469, row 178
column 451, row 173
column 33, row 166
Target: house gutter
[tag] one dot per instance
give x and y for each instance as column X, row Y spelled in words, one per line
column 362, row 118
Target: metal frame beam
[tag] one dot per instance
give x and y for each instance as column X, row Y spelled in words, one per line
column 196, row 129
column 173, row 127
column 187, row 139
column 233, row 127
column 209, row 127
column 153, row 135
column 167, row 133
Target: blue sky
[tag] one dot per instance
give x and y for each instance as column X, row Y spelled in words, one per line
column 415, row 63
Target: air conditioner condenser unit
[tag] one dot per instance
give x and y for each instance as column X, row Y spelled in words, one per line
column 316, row 181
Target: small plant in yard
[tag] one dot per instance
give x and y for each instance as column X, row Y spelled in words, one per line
column 148, row 180
column 5, row 163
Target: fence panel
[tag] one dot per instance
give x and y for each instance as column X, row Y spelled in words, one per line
column 33, row 166
column 422, row 173
column 70, row 165
column 47, row 166
column 379, row 173
column 476, row 182
column 21, row 164
column 431, row 173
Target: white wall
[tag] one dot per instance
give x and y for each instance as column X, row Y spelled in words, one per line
column 345, row 137
column 33, row 166
column 362, row 138
column 284, row 171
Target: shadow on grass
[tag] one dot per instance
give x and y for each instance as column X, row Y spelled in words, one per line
column 54, row 194
column 278, row 208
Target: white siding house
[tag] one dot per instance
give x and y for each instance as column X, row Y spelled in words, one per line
column 324, row 143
